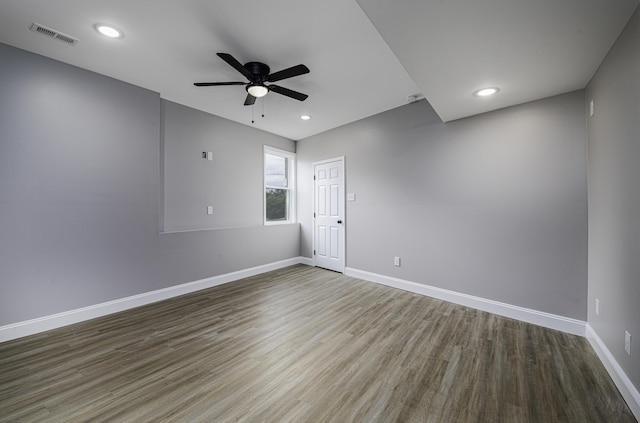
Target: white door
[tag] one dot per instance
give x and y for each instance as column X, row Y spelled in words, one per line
column 328, row 222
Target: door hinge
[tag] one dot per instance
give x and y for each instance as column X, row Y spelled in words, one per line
column 314, row 215
column 314, row 252
column 314, row 177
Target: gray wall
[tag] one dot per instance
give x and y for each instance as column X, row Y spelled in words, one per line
column 231, row 182
column 80, row 192
column 493, row 206
column 614, row 198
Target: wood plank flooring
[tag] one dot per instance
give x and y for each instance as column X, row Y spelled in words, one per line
column 303, row 344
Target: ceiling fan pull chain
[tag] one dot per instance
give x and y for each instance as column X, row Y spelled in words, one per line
column 252, row 107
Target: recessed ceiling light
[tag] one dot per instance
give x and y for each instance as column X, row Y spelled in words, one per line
column 486, row 92
column 305, row 117
column 109, row 31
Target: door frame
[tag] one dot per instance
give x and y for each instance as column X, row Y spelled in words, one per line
column 343, row 207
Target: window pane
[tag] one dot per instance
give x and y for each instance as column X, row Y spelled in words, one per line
column 277, row 204
column 279, row 178
column 275, row 171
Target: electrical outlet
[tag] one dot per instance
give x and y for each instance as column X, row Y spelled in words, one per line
column 591, row 108
column 597, row 307
column 396, row 261
column 627, row 342
column 209, row 209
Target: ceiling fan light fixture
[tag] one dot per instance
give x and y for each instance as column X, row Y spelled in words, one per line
column 257, row 90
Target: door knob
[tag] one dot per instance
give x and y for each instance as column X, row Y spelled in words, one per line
column 339, row 221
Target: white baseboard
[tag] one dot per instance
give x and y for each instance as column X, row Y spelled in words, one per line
column 625, row 386
column 41, row 324
column 564, row 324
column 306, row 260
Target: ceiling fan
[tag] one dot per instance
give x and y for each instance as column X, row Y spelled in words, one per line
column 258, row 73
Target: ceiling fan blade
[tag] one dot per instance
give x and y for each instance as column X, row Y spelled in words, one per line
column 216, row 84
column 288, row 92
column 249, row 100
column 236, row 65
column 288, row 73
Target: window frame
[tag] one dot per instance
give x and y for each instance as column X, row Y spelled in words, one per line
column 291, row 185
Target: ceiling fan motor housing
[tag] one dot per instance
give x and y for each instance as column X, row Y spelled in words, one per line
column 260, row 70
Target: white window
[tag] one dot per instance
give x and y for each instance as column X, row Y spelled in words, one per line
column 279, row 186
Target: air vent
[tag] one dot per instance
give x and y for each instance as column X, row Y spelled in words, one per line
column 52, row 33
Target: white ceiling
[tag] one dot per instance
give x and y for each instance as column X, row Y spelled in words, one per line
column 365, row 57
column 530, row 49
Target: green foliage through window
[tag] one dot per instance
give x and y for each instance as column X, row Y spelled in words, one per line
column 276, row 207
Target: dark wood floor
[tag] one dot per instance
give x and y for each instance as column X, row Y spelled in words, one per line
column 305, row 345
